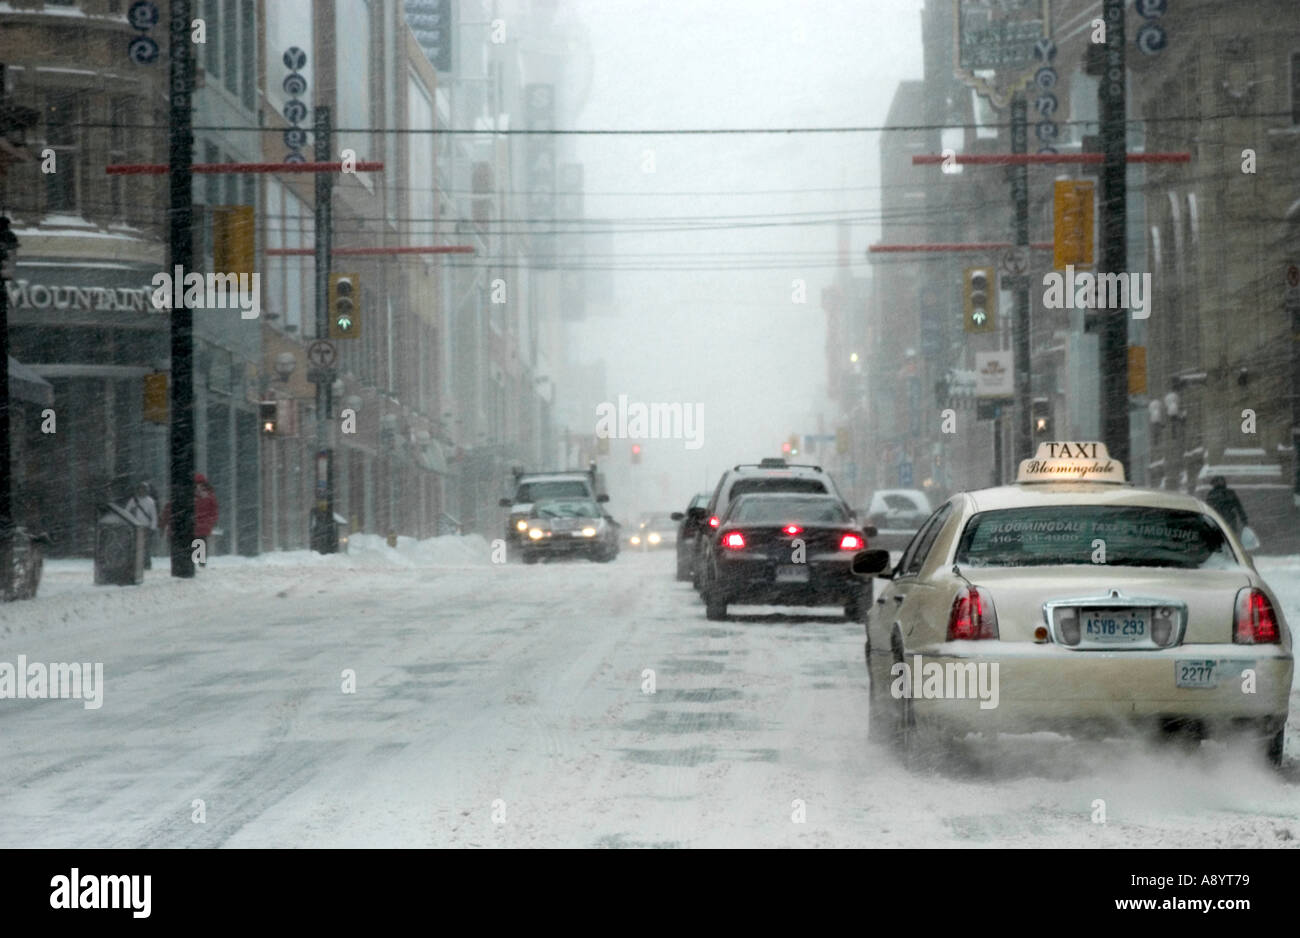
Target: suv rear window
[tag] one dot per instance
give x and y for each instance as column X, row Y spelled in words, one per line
column 1131, row 536
column 774, row 509
column 780, row 484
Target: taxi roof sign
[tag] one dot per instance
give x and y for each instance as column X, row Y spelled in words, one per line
column 1071, row 461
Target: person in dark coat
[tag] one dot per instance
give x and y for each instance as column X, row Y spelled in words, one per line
column 1225, row 501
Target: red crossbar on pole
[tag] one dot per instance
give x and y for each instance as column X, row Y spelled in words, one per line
column 971, row 247
column 1017, row 159
column 160, row 169
column 372, row 252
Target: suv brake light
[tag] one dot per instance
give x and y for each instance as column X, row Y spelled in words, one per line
column 714, row 521
column 1253, row 621
column 972, row 616
column 851, row 542
column 734, row 540
column 792, row 529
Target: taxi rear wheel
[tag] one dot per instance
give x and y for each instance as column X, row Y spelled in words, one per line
column 1273, row 749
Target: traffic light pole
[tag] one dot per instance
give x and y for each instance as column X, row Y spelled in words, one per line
column 180, row 219
column 324, row 531
column 1021, row 346
column 1114, row 251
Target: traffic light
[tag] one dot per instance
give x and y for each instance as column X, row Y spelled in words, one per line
column 785, row 448
column 1040, row 414
column 791, row 447
column 345, row 306
column 267, row 413
column 636, row 454
column 980, row 299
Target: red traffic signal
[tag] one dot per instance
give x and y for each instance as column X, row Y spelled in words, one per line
column 785, row 448
column 636, row 452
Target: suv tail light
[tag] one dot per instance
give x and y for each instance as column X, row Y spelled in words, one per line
column 851, row 542
column 714, row 521
column 734, row 540
column 1253, row 621
column 972, row 616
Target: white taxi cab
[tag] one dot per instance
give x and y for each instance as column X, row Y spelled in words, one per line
column 1073, row 602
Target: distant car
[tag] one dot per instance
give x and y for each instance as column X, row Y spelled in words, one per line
column 566, row 527
column 532, row 487
column 653, row 531
column 770, row 475
column 691, row 525
column 785, row 549
column 1086, row 606
column 897, row 514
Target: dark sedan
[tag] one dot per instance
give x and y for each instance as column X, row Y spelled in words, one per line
column 786, row 549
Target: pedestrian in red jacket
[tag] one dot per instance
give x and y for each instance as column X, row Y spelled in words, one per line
column 206, row 512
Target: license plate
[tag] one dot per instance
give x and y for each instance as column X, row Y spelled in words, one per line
column 1196, row 674
column 792, row 574
column 1116, row 626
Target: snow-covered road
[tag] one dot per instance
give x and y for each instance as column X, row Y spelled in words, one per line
column 504, row 705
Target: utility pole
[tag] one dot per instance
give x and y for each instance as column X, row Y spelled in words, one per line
column 8, row 247
column 180, row 217
column 1020, row 283
column 1114, row 218
column 324, row 532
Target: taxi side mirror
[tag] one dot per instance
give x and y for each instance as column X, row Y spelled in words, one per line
column 870, row 562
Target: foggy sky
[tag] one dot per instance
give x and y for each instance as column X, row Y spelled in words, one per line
column 732, row 340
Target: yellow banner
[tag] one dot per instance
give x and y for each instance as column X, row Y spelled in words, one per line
column 1073, row 224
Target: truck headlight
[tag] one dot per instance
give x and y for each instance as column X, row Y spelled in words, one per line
column 521, row 525
column 654, row 537
column 588, row 531
column 536, row 534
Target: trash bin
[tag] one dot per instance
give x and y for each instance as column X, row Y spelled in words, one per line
column 327, row 538
column 120, row 544
column 21, row 558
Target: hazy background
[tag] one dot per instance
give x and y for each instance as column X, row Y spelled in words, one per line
column 729, row 335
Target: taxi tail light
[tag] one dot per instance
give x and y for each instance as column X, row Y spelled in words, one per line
column 1254, row 622
column 972, row 616
column 852, row 542
column 734, row 541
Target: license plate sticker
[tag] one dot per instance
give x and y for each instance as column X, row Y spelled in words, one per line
column 794, row 573
column 1196, row 673
column 1116, row 626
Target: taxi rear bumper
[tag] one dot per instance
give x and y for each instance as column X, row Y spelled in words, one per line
column 1007, row 687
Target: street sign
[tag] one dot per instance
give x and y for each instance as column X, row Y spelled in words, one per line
column 143, row 15
column 294, row 59
column 1014, row 261
column 1001, row 45
column 1072, row 242
column 1137, row 369
column 994, row 375
column 322, row 354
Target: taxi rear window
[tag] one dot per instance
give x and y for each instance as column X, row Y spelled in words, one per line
column 1119, row 535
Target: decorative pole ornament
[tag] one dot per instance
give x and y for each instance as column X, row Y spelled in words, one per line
column 295, row 111
column 143, row 16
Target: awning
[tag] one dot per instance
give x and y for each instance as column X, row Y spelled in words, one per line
column 430, row 456
column 26, row 385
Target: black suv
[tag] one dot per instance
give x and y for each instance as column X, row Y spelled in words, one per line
column 770, row 475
